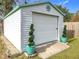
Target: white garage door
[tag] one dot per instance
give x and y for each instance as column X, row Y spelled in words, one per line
column 45, row 28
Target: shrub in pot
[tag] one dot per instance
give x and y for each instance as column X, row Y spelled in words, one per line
column 30, row 48
column 64, row 38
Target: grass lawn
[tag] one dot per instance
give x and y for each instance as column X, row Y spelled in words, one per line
column 24, row 57
column 2, row 49
column 70, row 53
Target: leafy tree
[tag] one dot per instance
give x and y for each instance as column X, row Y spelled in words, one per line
column 7, row 5
column 75, row 18
column 68, row 15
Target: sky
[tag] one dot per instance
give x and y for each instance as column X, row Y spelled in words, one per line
column 72, row 5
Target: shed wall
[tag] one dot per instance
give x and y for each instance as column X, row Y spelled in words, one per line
column 12, row 29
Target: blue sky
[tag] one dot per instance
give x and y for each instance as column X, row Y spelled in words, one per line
column 72, row 5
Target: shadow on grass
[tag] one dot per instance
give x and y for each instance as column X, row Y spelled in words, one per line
column 71, row 40
column 17, row 55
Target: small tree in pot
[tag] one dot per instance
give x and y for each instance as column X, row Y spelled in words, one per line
column 64, row 38
column 64, row 31
column 31, row 45
column 31, row 36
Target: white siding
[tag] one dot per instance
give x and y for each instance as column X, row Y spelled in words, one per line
column 26, row 21
column 27, row 18
column 12, row 29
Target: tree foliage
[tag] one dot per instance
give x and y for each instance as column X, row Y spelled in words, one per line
column 31, row 35
column 75, row 18
column 65, row 31
column 68, row 15
column 6, row 5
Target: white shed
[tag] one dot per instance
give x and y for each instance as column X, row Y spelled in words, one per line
column 47, row 20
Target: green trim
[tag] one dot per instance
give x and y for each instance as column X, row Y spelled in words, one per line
column 33, row 4
column 13, row 11
column 57, row 9
column 28, row 5
column 44, row 3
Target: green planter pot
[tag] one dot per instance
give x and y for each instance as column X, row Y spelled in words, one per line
column 63, row 39
column 30, row 49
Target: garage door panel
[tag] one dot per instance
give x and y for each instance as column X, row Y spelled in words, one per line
column 45, row 28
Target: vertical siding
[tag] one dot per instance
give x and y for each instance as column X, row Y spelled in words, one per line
column 26, row 14
column 61, row 26
column 12, row 29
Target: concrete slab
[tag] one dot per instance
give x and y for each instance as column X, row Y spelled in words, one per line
column 46, row 51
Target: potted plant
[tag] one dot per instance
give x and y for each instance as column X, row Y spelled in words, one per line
column 64, row 38
column 30, row 48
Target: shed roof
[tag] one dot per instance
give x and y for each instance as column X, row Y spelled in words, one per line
column 33, row 4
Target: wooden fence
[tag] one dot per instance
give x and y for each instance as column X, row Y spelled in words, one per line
column 72, row 29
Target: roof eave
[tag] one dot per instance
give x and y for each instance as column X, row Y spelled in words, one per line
column 28, row 5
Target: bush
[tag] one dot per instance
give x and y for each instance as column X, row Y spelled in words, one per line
column 65, row 31
column 31, row 38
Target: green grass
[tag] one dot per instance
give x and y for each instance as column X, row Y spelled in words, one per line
column 70, row 53
column 2, row 49
column 24, row 57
